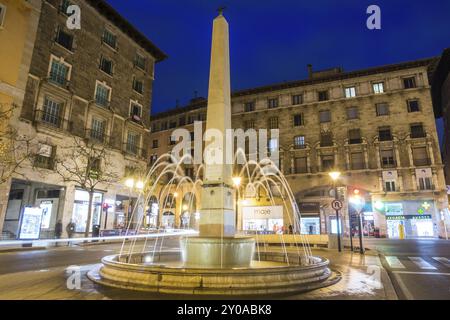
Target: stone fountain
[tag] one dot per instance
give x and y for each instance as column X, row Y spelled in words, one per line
column 217, row 262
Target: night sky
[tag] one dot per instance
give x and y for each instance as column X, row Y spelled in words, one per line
column 273, row 41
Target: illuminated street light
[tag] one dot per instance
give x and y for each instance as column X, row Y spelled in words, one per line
column 237, row 181
column 334, row 175
column 175, row 194
column 129, row 183
column 185, row 207
column 140, row 185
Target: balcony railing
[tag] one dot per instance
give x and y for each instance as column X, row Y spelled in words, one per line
column 134, row 150
column 422, row 162
column 357, row 165
column 58, row 79
column 49, row 119
column 418, row 134
column 97, row 136
column 388, row 163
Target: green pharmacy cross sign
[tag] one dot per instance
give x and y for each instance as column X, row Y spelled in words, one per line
column 425, row 206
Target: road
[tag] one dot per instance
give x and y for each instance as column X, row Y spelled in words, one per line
column 418, row 268
column 64, row 256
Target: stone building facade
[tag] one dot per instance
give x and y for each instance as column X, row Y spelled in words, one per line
column 94, row 83
column 376, row 126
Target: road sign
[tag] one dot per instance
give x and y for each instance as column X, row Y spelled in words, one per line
column 336, row 205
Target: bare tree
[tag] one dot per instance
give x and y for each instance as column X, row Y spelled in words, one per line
column 87, row 165
column 16, row 149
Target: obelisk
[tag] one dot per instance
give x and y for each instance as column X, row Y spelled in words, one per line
column 217, row 246
column 217, row 216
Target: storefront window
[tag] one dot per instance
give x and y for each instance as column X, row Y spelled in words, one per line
column 263, row 219
column 80, row 210
column 310, row 225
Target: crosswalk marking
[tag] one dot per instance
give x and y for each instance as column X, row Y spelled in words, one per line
column 421, row 263
column 443, row 260
column 394, row 262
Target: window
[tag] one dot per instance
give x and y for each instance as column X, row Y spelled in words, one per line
column 153, row 159
column 387, row 158
column 109, row 38
column 409, row 82
column 378, row 87
column 389, row 186
column 190, row 119
column 273, row 144
column 299, row 142
column 272, row 103
column 172, row 140
column 327, row 162
column 94, row 167
column 350, row 92
column 352, row 113
column 298, row 120
column 249, row 106
column 133, row 140
column 140, row 61
column 324, row 116
column 155, row 127
column 106, row 65
column 45, row 157
column 326, row 139
column 425, row 183
column 138, row 86
column 273, row 123
column 382, row 109
column 323, row 95
column 102, row 94
column 201, row 116
column 354, row 136
column 192, row 135
column 155, row 144
column 384, row 134
column 98, row 129
column 59, row 72
column 420, row 156
column 2, row 14
column 52, row 111
column 135, row 111
column 301, row 165
column 182, row 121
column 64, row 6
column 417, row 130
column 249, row 124
column 413, row 105
column 357, row 161
column 64, row 39
column 164, row 125
column 297, row 99
column 172, row 124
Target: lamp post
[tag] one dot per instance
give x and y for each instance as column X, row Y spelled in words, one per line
column 131, row 184
column 358, row 203
column 334, row 176
column 237, row 182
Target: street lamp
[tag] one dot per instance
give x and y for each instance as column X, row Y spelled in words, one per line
column 334, row 175
column 358, row 203
column 237, row 182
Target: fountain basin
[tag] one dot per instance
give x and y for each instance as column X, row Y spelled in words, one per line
column 165, row 273
column 213, row 252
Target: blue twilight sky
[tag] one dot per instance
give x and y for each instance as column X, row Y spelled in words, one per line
column 272, row 41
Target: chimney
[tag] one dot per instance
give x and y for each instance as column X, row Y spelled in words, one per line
column 310, row 71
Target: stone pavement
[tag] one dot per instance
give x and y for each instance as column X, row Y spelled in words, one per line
column 363, row 277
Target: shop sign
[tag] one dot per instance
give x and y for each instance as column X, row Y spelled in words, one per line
column 30, row 227
column 393, row 208
column 409, row 217
column 263, row 212
column 46, row 206
column 309, row 207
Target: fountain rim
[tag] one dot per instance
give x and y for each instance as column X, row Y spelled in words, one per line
column 111, row 261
